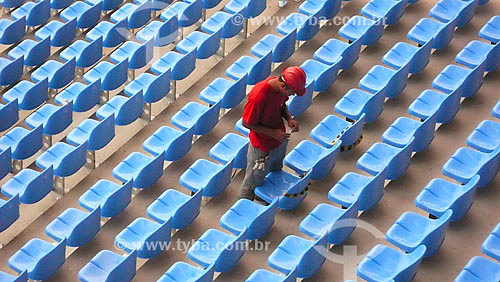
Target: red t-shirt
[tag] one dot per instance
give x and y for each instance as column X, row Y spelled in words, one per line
column 264, row 108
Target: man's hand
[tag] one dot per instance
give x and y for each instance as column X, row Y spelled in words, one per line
column 293, row 124
column 279, row 135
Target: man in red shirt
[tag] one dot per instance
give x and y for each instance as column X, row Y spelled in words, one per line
column 263, row 115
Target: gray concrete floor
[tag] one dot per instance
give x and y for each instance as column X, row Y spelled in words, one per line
column 463, row 238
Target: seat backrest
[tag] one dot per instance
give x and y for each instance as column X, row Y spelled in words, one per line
column 14, row 32
column 35, row 95
column 63, row 75
column 207, row 120
column 422, row 56
column 12, row 72
column 404, row 155
column 168, row 32
column 408, row 268
column 5, row 162
column 90, row 54
column 65, row 34
column 143, row 55
column 474, row 80
column 151, row 172
column 191, row 14
column 300, row 185
column 130, row 110
column 88, row 97
column 343, row 227
column 261, row 70
column 233, row 26
column 11, row 3
column 85, row 229
column 232, row 251
column 490, row 169
column 315, row 256
column 159, row 88
column 53, row 259
column 210, row 45
column 351, row 53
column 73, row 161
column 117, row 34
column 444, row 36
column 122, row 195
column 209, row 4
column 180, row 146
column 125, row 270
column 285, row 47
column 39, row 14
column 450, row 106
column 309, row 29
column 297, row 105
column 9, row 114
column 188, row 211
column 328, row 76
column 102, row 134
column 398, row 82
column 219, row 182
column 440, row 226
column 235, row 93
column 254, row 8
column 141, row 15
column 39, row 53
column 266, row 218
column 39, row 187
column 353, row 132
column 108, row 5
column 161, row 234
column 375, row 105
column 9, row 210
column 372, row 192
column 90, row 17
column 425, row 133
column 60, row 4
column 115, row 77
column 185, row 65
column 29, row 144
column 330, row 8
column 58, row 121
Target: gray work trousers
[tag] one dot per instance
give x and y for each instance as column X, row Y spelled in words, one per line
column 255, row 177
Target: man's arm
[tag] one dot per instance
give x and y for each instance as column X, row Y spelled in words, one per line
column 285, row 113
column 292, row 123
column 277, row 134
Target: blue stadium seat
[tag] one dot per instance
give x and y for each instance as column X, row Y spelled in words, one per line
column 205, row 251
column 358, row 27
column 36, row 13
column 384, row 263
column 268, row 276
column 485, row 137
column 231, row 147
column 112, row 33
column 5, row 162
column 35, row 52
column 175, row 143
column 479, row 268
column 76, row 226
column 180, row 65
column 322, row 9
column 85, row 53
column 181, row 208
column 412, row 230
column 491, row 246
column 97, row 133
column 31, row 185
column 86, row 15
column 135, row 15
column 225, row 22
column 448, row 10
column 357, row 102
column 288, row 188
column 427, row 29
column 332, row 128
column 107, row 5
column 181, row 271
column 479, row 52
column 156, row 5
column 163, row 33
column 109, row 266
column 306, row 26
column 496, row 110
column 248, row 215
column 257, row 69
column 381, row 78
column 467, row 162
column 431, row 101
column 390, row 11
column 12, row 31
column 84, row 97
column 382, row 156
column 297, row 105
column 205, row 44
column 336, row 222
column 10, row 212
column 248, row 8
column 403, row 129
column 40, row 258
column 403, row 54
column 9, row 114
column 281, row 47
column 110, row 197
column 141, row 234
column 354, row 187
column 111, row 76
column 296, row 252
column 321, row 74
column 143, row 169
column 11, row 71
column 28, row 94
column 490, row 30
column 61, row 33
column 154, row 87
column 201, row 117
column 59, row 74
column 65, row 158
column 138, row 55
column 310, row 156
column 439, row 195
column 453, row 76
column 188, row 13
column 240, row 128
column 23, row 277
column 54, row 119
column 211, row 177
column 333, row 49
column 229, row 92
column 22, row 142
column 60, row 4
column 209, row 4
column 11, row 3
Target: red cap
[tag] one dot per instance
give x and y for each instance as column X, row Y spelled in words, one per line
column 295, row 78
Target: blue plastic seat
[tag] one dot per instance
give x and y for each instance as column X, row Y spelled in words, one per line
column 111, row 76
column 35, row 52
column 31, row 185
column 12, row 31
column 479, row 269
column 22, row 142
column 322, row 9
column 403, row 54
column 76, row 226
column 448, row 10
column 333, row 49
column 232, row 147
column 28, row 94
column 36, row 13
column 141, row 234
column 268, row 276
column 281, row 47
column 496, row 110
column 154, row 87
column 240, row 128
column 439, row 195
column 357, row 102
column 336, row 222
column 84, row 97
column 490, row 30
column 11, row 3
column 485, row 137
column 491, row 246
column 40, row 258
column 332, row 129
column 59, row 74
column 60, row 4
column 201, row 117
column 10, row 212
column 109, row 266
column 156, row 5
column 229, row 92
column 175, row 143
column 143, row 169
column 163, row 33
column 107, row 5
column 65, row 158
column 321, row 74
column 430, row 102
column 354, row 187
column 23, row 277
column 135, row 15
column 9, row 114
column 358, row 27
column 180, row 65
column 306, row 26
column 403, row 129
column 138, row 55
column 381, row 78
column 467, row 162
column 211, row 177
column 54, row 119
column 248, row 8
column 110, row 197
column 205, row 44
column 248, row 215
column 427, row 29
column 10, row 71
column 297, row 105
column 97, row 133
column 296, row 252
column 5, row 163
column 179, row 207
column 112, row 33
column 85, row 53
column 382, row 156
column 288, row 188
column 86, row 15
column 225, row 22
column 388, row 10
column 205, row 251
column 61, row 33
column 384, row 263
column 257, row 69
column 188, row 13
column 181, row 271
column 453, row 76
column 477, row 53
